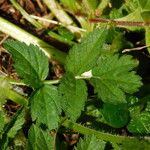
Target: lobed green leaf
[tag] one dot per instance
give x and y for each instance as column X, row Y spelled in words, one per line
column 82, row 57
column 2, row 122
column 39, row 139
column 90, row 142
column 74, row 95
column 70, row 4
column 112, row 78
column 116, row 115
column 11, row 128
column 31, row 63
column 140, row 124
column 45, row 106
column 18, row 122
column 93, row 4
column 137, row 144
column 145, row 4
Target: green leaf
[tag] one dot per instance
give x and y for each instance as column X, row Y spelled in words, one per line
column 70, row 4
column 119, row 42
column 147, row 37
column 74, row 95
column 39, row 139
column 116, row 116
column 135, row 111
column 103, row 4
column 82, row 57
column 145, row 12
column 130, row 6
column 4, row 89
column 145, row 4
column 16, row 123
column 137, row 144
column 31, row 63
column 140, row 124
column 65, row 33
column 145, row 15
column 6, row 92
column 112, row 78
column 93, row 3
column 20, row 141
column 148, row 104
column 133, row 17
column 90, row 142
column 45, row 106
column 11, row 129
column 2, row 122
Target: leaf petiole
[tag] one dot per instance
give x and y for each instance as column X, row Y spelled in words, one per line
column 14, row 96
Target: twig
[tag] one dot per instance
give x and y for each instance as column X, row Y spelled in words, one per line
column 2, row 73
column 76, row 29
column 40, row 4
column 4, row 38
column 135, row 49
column 25, row 14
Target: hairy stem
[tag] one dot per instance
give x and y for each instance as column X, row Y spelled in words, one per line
column 23, row 36
column 120, row 22
column 100, row 135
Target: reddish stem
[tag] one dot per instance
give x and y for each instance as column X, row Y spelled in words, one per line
column 120, row 23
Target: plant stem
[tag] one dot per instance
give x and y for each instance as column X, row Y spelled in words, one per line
column 60, row 14
column 26, row 15
column 147, row 38
column 100, row 135
column 51, row 81
column 19, row 82
column 118, row 22
column 103, row 4
column 71, row 27
column 14, row 82
column 22, row 35
column 60, row 38
column 14, row 96
column 86, row 24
